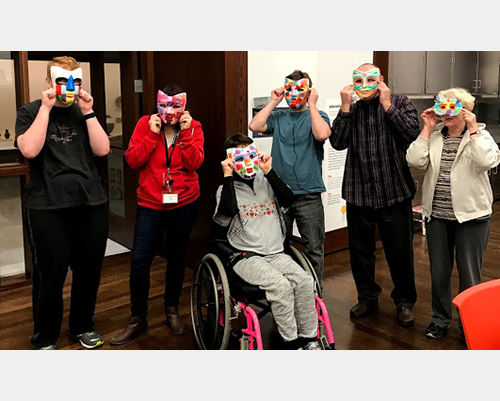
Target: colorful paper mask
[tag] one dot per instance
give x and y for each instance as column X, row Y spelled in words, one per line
column 447, row 106
column 296, row 92
column 171, row 108
column 246, row 161
column 66, row 83
column 366, row 82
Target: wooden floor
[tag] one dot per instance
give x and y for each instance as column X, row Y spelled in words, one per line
column 378, row 331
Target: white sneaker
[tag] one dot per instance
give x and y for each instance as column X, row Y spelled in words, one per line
column 311, row 346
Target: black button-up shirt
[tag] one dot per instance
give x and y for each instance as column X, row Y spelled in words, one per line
column 376, row 172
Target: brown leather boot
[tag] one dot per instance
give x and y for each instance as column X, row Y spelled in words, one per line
column 135, row 327
column 174, row 321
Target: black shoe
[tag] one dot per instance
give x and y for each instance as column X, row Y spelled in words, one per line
column 90, row 339
column 360, row 310
column 47, row 348
column 435, row 331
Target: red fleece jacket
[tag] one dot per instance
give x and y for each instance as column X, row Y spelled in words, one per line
column 146, row 152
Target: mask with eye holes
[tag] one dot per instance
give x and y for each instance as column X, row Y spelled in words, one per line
column 296, row 92
column 246, row 161
column 171, row 108
column 66, row 83
column 366, row 82
column 447, row 106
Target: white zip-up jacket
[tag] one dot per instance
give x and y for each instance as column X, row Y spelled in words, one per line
column 470, row 187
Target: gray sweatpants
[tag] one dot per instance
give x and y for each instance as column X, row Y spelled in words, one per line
column 289, row 289
column 447, row 240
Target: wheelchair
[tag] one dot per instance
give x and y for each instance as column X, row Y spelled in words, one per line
column 219, row 298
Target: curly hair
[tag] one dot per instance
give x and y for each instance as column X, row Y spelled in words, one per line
column 464, row 95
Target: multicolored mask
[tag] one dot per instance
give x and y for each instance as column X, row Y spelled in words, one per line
column 296, row 92
column 246, row 161
column 171, row 108
column 66, row 83
column 366, row 82
column 447, row 106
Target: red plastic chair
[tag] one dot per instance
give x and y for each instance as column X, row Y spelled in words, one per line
column 479, row 309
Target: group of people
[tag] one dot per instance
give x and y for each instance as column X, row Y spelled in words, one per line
column 260, row 198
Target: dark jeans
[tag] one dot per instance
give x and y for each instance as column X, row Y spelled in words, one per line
column 395, row 224
column 74, row 237
column 150, row 226
column 446, row 240
column 307, row 210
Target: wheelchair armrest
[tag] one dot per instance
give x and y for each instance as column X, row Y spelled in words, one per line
column 294, row 239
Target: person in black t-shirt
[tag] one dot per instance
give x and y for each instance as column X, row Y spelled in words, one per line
column 66, row 204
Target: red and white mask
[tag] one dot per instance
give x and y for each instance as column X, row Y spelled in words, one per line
column 246, row 161
column 171, row 108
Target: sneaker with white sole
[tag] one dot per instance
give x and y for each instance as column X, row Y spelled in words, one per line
column 311, row 346
column 435, row 331
column 50, row 347
column 90, row 339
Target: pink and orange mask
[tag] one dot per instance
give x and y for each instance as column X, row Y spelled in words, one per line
column 366, row 82
column 66, row 83
column 171, row 108
column 296, row 92
column 246, row 161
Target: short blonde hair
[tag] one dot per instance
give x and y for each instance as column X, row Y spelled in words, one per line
column 464, row 95
column 65, row 62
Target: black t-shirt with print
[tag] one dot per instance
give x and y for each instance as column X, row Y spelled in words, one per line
column 64, row 173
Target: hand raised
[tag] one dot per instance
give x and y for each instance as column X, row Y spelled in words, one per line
column 385, row 95
column 278, row 94
column 49, row 98
column 155, row 123
column 470, row 120
column 313, row 97
column 346, row 97
column 227, row 167
column 265, row 162
column 430, row 118
column 85, row 101
column 185, row 120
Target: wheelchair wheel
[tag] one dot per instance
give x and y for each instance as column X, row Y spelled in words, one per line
column 303, row 261
column 210, row 304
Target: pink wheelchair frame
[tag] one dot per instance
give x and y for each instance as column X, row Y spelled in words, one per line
column 217, row 302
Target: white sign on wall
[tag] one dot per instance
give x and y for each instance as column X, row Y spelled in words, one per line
column 333, row 174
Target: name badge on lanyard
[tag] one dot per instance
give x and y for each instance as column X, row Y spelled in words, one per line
column 169, row 196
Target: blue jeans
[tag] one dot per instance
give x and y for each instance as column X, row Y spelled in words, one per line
column 150, row 226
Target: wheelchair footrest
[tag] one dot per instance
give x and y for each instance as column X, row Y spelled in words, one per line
column 325, row 345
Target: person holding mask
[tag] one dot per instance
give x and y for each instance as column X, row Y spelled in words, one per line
column 457, row 197
column 253, row 242
column 378, row 187
column 66, row 203
column 167, row 149
column 297, row 151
